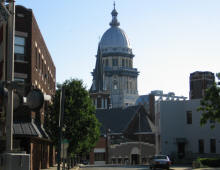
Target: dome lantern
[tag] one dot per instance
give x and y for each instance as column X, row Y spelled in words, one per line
column 114, row 22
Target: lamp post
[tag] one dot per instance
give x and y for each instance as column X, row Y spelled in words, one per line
column 62, row 101
column 10, row 76
column 107, row 143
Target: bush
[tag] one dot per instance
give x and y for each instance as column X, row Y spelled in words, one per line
column 197, row 164
column 210, row 162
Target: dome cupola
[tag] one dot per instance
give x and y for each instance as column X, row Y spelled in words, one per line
column 114, row 41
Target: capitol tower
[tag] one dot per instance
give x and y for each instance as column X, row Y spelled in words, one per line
column 114, row 78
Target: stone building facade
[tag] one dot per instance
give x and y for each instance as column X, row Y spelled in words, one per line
column 114, row 72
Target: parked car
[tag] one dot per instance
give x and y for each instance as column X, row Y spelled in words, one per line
column 84, row 162
column 160, row 161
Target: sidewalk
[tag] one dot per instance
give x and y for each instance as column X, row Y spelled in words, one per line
column 190, row 168
column 55, row 168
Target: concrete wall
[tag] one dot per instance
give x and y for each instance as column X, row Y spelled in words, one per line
column 172, row 126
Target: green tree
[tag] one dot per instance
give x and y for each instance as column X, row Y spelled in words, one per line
column 210, row 106
column 82, row 129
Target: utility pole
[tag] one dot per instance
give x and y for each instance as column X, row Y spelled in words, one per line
column 10, row 77
column 62, row 101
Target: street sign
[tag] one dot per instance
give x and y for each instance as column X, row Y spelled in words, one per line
column 4, row 13
column 64, row 147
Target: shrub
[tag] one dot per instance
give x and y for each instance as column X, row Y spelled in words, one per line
column 210, row 162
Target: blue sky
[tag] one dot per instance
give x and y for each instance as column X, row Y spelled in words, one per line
column 170, row 38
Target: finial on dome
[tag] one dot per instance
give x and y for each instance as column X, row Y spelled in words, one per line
column 114, row 21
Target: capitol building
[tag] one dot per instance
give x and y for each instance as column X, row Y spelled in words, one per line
column 127, row 132
column 114, row 77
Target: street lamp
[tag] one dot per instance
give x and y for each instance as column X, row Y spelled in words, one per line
column 61, row 116
column 108, row 131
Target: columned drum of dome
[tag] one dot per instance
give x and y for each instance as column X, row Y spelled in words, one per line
column 114, row 72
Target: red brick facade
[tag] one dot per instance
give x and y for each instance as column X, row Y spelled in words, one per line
column 33, row 68
column 100, row 144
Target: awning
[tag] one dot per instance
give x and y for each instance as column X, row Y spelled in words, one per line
column 22, row 128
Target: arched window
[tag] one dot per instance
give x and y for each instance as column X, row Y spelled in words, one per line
column 130, row 65
column 115, row 85
column 106, row 62
column 123, row 62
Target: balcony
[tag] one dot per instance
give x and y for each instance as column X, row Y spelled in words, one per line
column 122, row 71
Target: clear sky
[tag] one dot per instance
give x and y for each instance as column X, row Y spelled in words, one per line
column 170, row 38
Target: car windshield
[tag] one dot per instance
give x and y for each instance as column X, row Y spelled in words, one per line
column 160, row 157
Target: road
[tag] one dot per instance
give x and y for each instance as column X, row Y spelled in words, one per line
column 110, row 167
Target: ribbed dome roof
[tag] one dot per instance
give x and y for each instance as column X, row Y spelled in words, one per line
column 114, row 37
column 114, row 40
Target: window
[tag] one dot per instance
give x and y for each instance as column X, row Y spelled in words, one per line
column 189, row 117
column 19, row 80
column 19, row 48
column 130, row 65
column 36, row 57
column 201, row 146
column 114, row 62
column 39, row 59
column 106, row 62
column 123, row 62
column 42, row 67
column 115, row 85
column 100, row 156
column 212, row 145
column 99, row 102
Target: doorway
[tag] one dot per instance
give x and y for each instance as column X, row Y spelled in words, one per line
column 135, row 159
column 181, row 150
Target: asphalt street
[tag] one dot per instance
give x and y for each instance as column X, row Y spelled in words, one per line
column 114, row 167
column 127, row 168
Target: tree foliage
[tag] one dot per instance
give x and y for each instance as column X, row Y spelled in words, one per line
column 210, row 106
column 80, row 123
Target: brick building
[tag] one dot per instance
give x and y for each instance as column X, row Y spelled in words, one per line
column 33, row 68
column 199, row 82
column 127, row 136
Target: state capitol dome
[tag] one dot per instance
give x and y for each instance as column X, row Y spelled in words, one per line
column 114, row 40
